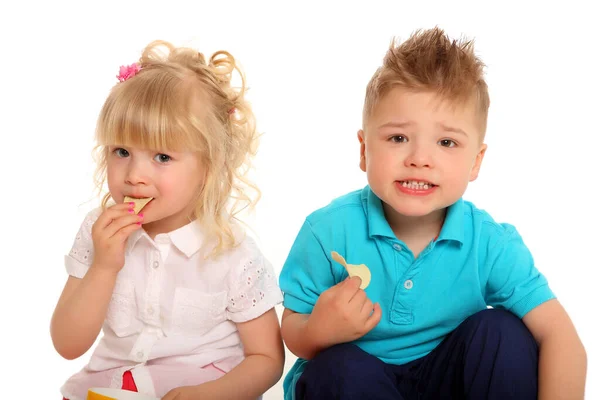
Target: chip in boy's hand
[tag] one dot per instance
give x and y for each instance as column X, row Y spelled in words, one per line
column 362, row 271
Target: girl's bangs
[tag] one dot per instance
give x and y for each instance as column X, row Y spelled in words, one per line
column 136, row 116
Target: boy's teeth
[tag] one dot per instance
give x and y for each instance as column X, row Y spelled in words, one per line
column 416, row 185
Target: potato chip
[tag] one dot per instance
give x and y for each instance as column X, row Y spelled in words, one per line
column 138, row 203
column 361, row 270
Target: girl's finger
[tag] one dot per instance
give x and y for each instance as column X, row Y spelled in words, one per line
column 123, row 233
column 112, row 213
column 121, row 222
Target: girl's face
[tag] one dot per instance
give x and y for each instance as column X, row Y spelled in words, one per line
column 172, row 179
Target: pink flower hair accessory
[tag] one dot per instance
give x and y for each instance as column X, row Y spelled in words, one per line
column 128, row 71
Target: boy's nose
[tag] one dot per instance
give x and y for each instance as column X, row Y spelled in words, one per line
column 419, row 157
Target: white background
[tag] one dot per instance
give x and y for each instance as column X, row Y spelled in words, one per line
column 307, row 64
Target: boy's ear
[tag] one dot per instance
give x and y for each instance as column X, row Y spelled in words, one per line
column 477, row 164
column 363, row 160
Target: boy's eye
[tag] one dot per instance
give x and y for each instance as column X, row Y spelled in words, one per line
column 162, row 158
column 447, row 143
column 120, row 152
column 398, row 139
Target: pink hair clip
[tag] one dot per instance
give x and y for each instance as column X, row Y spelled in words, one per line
column 128, row 71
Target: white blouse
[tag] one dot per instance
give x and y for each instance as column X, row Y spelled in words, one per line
column 173, row 313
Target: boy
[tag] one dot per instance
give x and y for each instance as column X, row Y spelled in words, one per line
column 422, row 327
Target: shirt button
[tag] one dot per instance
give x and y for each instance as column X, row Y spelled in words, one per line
column 155, row 264
column 140, row 355
column 397, row 247
column 150, row 310
column 408, row 284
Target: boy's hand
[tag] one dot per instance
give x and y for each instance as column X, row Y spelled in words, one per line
column 343, row 313
column 110, row 233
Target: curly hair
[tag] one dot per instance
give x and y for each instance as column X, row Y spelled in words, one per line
column 180, row 102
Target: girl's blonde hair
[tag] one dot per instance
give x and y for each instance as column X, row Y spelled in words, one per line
column 180, row 102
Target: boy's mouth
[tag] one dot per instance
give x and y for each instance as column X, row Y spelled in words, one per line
column 417, row 185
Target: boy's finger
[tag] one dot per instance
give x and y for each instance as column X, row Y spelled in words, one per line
column 367, row 308
column 374, row 319
column 349, row 289
column 358, row 300
column 354, row 282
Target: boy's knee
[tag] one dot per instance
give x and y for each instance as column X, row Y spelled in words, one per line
column 345, row 363
column 345, row 371
column 501, row 355
column 342, row 359
column 501, row 321
column 503, row 331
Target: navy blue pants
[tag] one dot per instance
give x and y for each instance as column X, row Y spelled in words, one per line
column 491, row 355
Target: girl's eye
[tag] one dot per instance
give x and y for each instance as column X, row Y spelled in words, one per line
column 447, row 143
column 162, row 158
column 399, row 139
column 120, row 152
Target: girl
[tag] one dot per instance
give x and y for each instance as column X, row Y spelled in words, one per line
column 184, row 298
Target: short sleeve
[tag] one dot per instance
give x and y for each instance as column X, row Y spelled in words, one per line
column 253, row 288
column 306, row 273
column 80, row 258
column 514, row 282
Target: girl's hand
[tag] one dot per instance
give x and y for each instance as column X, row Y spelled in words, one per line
column 182, row 393
column 110, row 233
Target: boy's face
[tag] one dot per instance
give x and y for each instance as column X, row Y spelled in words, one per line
column 420, row 153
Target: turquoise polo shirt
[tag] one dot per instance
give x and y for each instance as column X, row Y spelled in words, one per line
column 475, row 262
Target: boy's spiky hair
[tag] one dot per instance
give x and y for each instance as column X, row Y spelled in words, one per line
column 430, row 61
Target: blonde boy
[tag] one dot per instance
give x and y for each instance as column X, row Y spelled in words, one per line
column 422, row 328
